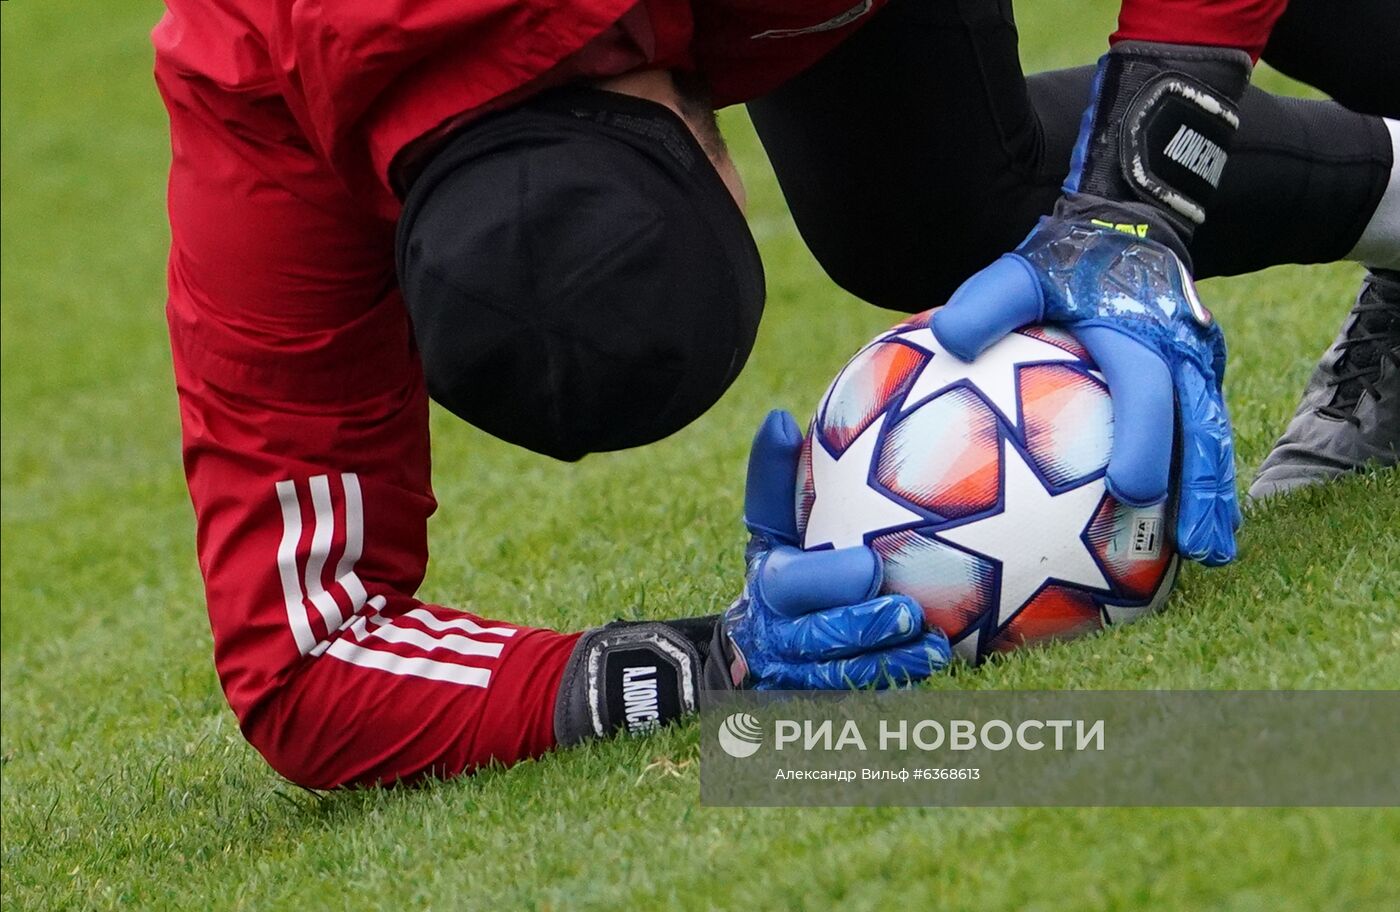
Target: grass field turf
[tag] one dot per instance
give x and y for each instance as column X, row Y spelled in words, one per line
column 125, row 781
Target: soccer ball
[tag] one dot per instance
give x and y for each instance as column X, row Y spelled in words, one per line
column 981, row 486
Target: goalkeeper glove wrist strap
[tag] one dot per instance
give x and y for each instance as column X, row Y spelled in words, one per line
column 1159, row 131
column 636, row 676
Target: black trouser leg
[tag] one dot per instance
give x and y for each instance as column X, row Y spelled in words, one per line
column 911, row 156
column 918, row 152
column 1349, row 49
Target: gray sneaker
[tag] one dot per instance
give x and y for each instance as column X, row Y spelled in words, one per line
column 1350, row 414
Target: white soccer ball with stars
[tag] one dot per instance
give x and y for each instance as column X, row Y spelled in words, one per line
column 982, row 488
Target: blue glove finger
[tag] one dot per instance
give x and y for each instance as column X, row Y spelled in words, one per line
column 793, row 582
column 1004, row 296
column 896, row 667
column 1208, row 511
column 850, row 630
column 1139, row 468
column 912, row 662
column 770, row 507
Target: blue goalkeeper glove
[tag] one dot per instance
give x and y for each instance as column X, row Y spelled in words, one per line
column 805, row 621
column 812, row 620
column 1110, row 263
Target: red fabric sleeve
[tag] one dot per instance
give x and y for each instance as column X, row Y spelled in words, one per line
column 629, row 44
column 366, row 77
column 747, row 48
column 305, row 441
column 1242, row 24
column 360, row 81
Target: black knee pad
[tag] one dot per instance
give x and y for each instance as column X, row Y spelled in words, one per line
column 578, row 276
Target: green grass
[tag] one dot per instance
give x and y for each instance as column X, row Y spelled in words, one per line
column 126, row 783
